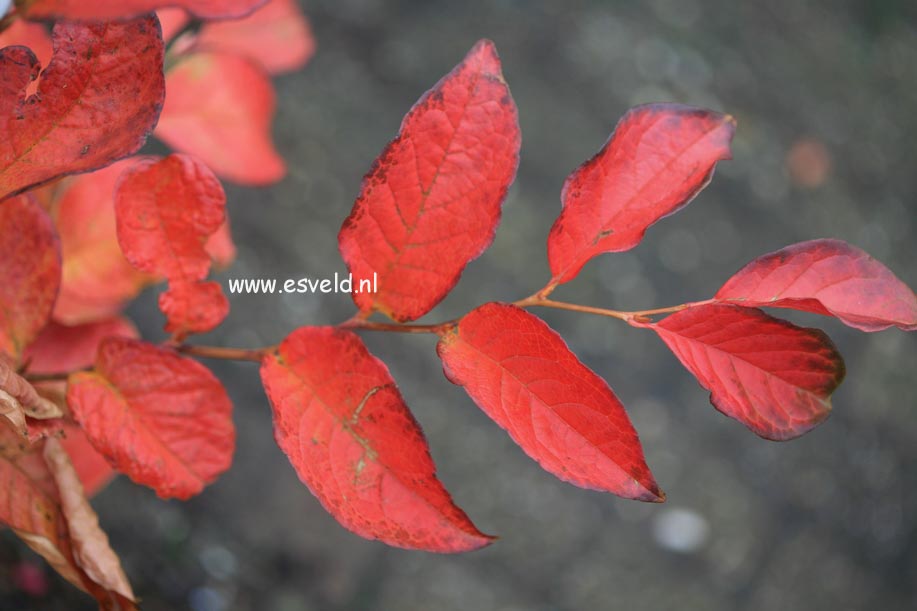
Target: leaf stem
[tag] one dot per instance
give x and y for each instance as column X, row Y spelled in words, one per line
column 226, row 354
column 368, row 325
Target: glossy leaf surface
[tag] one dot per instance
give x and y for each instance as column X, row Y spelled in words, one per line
column 431, row 202
column 658, row 158
column 341, row 421
column 827, row 277
column 102, row 74
column 523, row 375
column 162, row 419
column 770, row 375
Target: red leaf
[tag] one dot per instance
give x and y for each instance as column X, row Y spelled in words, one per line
column 30, row 273
column 341, row 421
column 56, row 131
column 220, row 108
column 97, row 280
column 165, row 211
column 160, row 418
column 523, row 375
column 19, row 399
column 277, row 36
column 59, row 348
column 431, row 202
column 772, row 376
column 193, row 307
column 827, row 277
column 31, row 35
column 658, row 158
column 119, row 9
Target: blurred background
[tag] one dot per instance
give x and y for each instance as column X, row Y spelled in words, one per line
column 825, row 95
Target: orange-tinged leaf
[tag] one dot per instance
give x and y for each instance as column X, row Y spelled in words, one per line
column 102, row 74
column 658, row 158
column 277, row 36
column 120, row 9
column 770, row 375
column 162, row 419
column 165, row 211
column 431, row 202
column 91, row 467
column 98, row 281
column 91, row 550
column 523, row 375
column 62, row 349
column 31, row 35
column 827, row 277
column 219, row 108
column 30, row 505
column 30, row 273
column 193, row 307
column 341, row 421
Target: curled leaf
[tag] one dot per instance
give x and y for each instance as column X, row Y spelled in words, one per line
column 523, row 375
column 827, row 277
column 88, row 541
column 341, row 421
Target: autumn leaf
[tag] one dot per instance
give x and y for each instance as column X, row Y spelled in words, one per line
column 162, row 419
column 827, row 277
column 770, row 375
column 91, row 467
column 277, row 36
column 431, row 202
column 90, row 546
column 30, row 273
column 56, row 132
column 341, row 421
column 658, row 158
column 165, row 211
column 193, row 307
column 523, row 375
column 30, row 505
column 220, row 108
column 120, row 9
column 98, row 282
column 31, row 35
column 18, row 399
